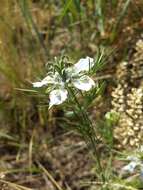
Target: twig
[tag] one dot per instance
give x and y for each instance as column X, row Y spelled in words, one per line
column 50, row 177
column 16, row 186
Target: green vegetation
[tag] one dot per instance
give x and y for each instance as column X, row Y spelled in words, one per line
column 70, row 146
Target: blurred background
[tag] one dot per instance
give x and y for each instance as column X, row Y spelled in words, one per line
column 35, row 149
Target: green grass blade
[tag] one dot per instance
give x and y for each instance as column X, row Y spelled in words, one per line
column 65, row 9
column 119, row 19
column 24, row 6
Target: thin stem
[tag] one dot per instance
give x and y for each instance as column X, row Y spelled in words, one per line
column 92, row 140
column 90, row 134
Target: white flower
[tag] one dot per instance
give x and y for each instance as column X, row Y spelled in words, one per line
column 72, row 75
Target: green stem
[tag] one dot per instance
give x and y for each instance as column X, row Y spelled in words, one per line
column 90, row 132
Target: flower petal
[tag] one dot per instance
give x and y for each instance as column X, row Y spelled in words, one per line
column 57, row 97
column 45, row 81
column 84, row 64
column 130, row 167
column 37, row 84
column 48, row 80
column 83, row 83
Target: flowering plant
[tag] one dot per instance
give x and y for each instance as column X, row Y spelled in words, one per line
column 62, row 82
column 62, row 78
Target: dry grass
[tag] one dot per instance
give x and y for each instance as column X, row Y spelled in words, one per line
column 31, row 34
